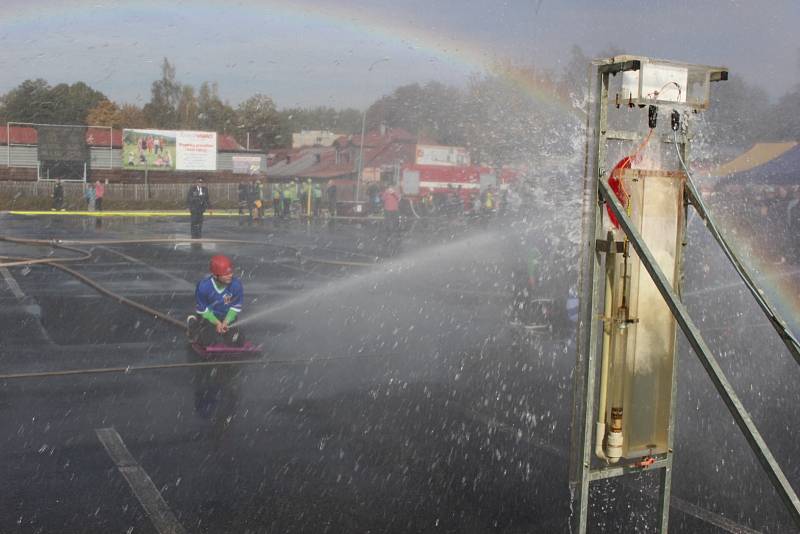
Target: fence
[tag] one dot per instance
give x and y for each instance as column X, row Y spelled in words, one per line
column 73, row 190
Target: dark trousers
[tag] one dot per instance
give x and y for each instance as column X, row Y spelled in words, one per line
column 286, row 206
column 245, row 206
column 391, row 220
column 206, row 334
column 197, row 224
column 98, row 204
column 58, row 202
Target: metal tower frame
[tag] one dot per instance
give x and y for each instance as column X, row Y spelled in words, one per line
column 598, row 194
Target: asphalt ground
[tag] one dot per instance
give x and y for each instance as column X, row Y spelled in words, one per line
column 390, row 398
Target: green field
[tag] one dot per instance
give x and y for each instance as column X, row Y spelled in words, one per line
column 130, row 154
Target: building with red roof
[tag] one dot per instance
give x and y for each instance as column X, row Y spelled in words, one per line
column 19, row 157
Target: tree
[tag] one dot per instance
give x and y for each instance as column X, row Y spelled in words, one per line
column 161, row 111
column 347, row 121
column 106, row 113
column 433, row 111
column 212, row 113
column 258, row 117
column 29, row 102
column 322, row 118
column 132, row 116
column 737, row 115
column 187, row 109
column 506, row 123
column 36, row 101
column 79, row 99
column 785, row 126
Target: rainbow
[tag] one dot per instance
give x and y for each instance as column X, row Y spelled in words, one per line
column 760, row 251
column 457, row 51
column 782, row 286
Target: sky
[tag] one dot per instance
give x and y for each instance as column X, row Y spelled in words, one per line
column 347, row 53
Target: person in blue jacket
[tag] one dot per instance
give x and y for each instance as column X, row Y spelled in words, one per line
column 219, row 302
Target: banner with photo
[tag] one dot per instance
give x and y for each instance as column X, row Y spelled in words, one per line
column 167, row 150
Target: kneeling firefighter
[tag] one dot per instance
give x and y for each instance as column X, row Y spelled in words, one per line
column 219, row 299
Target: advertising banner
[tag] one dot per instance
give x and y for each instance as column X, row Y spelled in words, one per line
column 196, row 151
column 452, row 156
column 246, row 164
column 168, row 150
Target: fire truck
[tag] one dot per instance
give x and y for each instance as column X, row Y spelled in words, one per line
column 418, row 181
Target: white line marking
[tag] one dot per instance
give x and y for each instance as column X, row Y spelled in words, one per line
column 12, row 283
column 142, row 486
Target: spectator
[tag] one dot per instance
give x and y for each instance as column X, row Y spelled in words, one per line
column 488, row 202
column 288, row 197
column 331, row 198
column 391, row 208
column 244, row 203
column 58, row 196
column 99, row 193
column 89, row 195
column 374, row 194
column 277, row 200
column 317, row 199
column 198, row 201
column 305, row 192
column 258, row 195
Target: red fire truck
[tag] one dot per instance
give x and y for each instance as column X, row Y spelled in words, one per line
column 468, row 181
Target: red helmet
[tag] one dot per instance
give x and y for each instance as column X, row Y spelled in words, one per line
column 221, row 265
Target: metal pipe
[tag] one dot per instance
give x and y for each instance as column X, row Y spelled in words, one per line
column 361, row 155
column 600, row 427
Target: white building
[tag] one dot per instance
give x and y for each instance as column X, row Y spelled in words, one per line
column 313, row 138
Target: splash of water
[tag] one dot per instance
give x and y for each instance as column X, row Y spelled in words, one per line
column 425, row 257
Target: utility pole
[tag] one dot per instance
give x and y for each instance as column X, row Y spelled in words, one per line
column 363, row 127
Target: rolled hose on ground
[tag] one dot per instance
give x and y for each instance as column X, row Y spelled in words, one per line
column 65, row 244
column 162, row 366
column 56, row 262
column 62, row 243
column 84, row 255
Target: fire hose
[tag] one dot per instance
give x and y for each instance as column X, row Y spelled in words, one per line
column 56, row 262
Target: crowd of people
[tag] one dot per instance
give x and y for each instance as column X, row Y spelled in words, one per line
column 309, row 199
column 305, row 198
column 93, row 195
